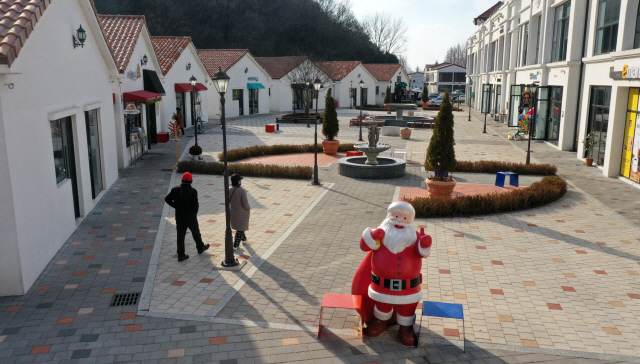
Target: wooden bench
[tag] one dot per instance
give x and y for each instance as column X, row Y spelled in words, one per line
column 421, row 123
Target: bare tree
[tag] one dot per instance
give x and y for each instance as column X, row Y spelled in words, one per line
column 457, row 54
column 386, row 32
column 403, row 61
column 418, row 68
column 300, row 78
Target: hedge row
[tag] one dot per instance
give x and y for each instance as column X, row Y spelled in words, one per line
column 548, row 190
column 497, row 166
column 247, row 169
column 262, row 150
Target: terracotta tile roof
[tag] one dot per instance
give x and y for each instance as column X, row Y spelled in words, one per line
column 168, row 50
column 337, row 70
column 383, row 72
column 18, row 18
column 278, row 67
column 489, row 11
column 122, row 32
column 223, row 58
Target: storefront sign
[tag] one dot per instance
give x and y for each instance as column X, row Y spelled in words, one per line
column 254, row 79
column 636, row 147
column 627, row 73
column 533, row 76
column 131, row 109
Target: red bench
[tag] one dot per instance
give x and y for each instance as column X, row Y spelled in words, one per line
column 354, row 153
column 341, row 301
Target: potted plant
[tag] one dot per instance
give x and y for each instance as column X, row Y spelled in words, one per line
column 589, row 143
column 441, row 156
column 330, row 126
column 195, row 151
column 405, row 133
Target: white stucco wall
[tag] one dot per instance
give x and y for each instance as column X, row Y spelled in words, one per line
column 281, row 99
column 53, row 80
column 354, row 77
column 238, row 80
column 143, row 47
column 179, row 74
column 379, row 98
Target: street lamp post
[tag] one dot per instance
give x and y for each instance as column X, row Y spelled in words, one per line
column 532, row 123
column 305, row 100
column 469, row 95
column 193, row 82
column 316, row 85
column 221, row 81
column 360, row 123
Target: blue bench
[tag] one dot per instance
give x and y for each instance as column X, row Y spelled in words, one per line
column 513, row 178
column 446, row 310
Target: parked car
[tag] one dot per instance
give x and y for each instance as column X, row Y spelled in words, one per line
column 437, row 102
column 433, row 96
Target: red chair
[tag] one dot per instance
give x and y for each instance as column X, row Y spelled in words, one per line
column 341, row 301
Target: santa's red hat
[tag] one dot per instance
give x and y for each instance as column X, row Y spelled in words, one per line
column 401, row 205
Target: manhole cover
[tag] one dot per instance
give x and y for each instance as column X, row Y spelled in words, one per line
column 125, row 299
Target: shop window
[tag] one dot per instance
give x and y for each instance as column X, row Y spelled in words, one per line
column 378, row 89
column 60, row 138
column 560, row 33
column 555, row 113
column 524, row 30
column 131, row 124
column 514, row 105
column 459, row 77
column 486, row 98
column 539, row 24
column 607, row 26
column 599, row 121
column 93, row 146
column 443, row 88
column 445, row 77
column 636, row 40
column 492, row 56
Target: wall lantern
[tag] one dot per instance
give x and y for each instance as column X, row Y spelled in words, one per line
column 358, row 75
column 144, row 60
column 246, row 70
column 82, row 36
column 188, row 66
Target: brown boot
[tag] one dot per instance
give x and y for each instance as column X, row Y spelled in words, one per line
column 406, row 335
column 375, row 328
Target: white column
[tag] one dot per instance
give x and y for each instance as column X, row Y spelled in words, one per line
column 615, row 131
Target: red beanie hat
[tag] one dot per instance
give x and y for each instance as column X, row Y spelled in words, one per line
column 187, row 177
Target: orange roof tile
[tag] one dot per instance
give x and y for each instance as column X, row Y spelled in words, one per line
column 122, row 32
column 168, row 50
column 220, row 58
column 337, row 70
column 383, row 72
column 18, row 18
column 278, row 67
column 489, row 12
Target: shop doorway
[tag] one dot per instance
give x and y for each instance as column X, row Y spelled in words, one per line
column 363, row 97
column 498, row 106
column 599, row 121
column 65, row 158
column 352, row 94
column 514, row 108
column 631, row 141
column 152, row 136
column 253, row 101
column 237, row 96
column 180, row 101
column 93, row 145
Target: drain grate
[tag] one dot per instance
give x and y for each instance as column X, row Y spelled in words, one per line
column 167, row 170
column 125, row 299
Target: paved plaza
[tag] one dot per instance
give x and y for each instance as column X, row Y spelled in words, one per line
column 558, row 283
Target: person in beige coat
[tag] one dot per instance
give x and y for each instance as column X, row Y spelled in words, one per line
column 240, row 210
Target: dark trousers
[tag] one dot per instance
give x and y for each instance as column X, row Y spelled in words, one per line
column 182, row 227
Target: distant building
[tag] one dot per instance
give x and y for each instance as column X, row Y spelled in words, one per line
column 393, row 75
column 418, row 79
column 345, row 77
column 446, row 76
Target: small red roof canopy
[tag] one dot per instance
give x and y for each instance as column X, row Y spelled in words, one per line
column 141, row 96
column 186, row 87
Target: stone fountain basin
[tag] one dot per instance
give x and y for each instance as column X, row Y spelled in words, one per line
column 387, row 168
column 379, row 148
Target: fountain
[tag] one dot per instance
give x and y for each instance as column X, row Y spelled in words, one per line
column 401, row 120
column 372, row 166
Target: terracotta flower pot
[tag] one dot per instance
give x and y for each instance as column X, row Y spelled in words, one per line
column 589, row 162
column 330, row 146
column 405, row 133
column 440, row 188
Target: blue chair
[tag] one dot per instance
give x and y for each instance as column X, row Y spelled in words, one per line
column 513, row 178
column 446, row 310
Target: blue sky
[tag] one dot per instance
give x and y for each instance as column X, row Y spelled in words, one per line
column 434, row 25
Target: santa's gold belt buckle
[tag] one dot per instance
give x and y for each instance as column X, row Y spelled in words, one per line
column 395, row 285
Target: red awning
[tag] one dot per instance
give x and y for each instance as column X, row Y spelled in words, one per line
column 140, row 96
column 186, row 87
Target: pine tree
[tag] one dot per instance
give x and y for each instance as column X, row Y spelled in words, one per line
column 387, row 96
column 441, row 155
column 425, row 97
column 330, row 125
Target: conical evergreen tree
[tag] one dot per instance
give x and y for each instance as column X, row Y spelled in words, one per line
column 441, row 155
column 387, row 96
column 330, row 125
column 425, row 97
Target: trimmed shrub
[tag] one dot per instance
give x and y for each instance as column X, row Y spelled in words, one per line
column 441, row 153
column 247, row 169
column 548, row 190
column 278, row 149
column 425, row 96
column 497, row 166
column 330, row 124
column 195, row 150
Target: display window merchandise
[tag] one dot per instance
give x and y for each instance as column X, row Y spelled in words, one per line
column 631, row 141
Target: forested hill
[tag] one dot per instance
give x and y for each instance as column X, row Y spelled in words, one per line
column 320, row 29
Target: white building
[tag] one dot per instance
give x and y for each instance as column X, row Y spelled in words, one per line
column 246, row 93
column 57, row 132
column 286, row 74
column 345, row 77
column 393, row 75
column 138, row 90
column 178, row 62
column 418, row 79
column 445, row 76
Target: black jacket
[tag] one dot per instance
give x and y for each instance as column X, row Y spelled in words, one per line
column 185, row 200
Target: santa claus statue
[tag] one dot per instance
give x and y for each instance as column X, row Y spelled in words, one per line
column 389, row 278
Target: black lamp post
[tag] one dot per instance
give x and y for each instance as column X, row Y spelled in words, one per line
column 317, row 84
column 221, row 81
column 360, row 123
column 193, row 82
column 532, row 123
column 306, row 99
column 469, row 95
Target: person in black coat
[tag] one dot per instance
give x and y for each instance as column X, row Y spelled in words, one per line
column 185, row 200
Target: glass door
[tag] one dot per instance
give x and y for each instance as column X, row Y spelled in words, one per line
column 363, row 97
column 514, row 108
column 253, row 101
column 486, row 98
column 541, row 113
column 599, row 121
column 352, row 95
column 498, row 108
column 93, row 145
column 64, row 157
column 629, row 131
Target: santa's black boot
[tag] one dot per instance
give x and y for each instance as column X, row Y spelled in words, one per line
column 375, row 327
column 406, row 335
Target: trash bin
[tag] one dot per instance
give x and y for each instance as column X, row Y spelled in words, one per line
column 163, row 137
column 336, row 103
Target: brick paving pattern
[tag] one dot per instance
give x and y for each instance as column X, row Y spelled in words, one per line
column 553, row 284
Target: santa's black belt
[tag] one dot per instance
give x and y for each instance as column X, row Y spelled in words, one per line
column 396, row 284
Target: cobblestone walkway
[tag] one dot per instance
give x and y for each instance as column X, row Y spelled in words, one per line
column 554, row 284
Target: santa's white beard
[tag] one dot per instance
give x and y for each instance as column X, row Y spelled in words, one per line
column 396, row 240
